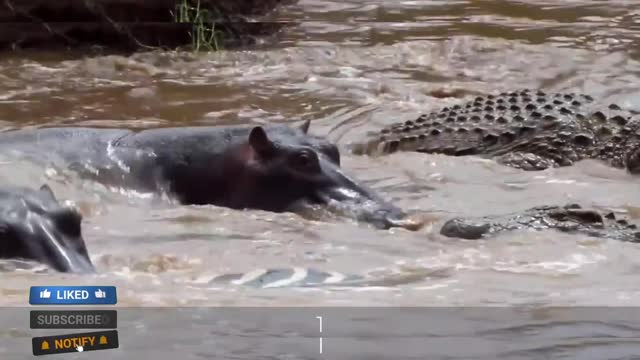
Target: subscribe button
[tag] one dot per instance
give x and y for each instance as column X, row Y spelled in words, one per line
column 79, row 342
column 72, row 295
column 74, row 319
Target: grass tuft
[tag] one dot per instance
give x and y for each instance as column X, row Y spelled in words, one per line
column 204, row 36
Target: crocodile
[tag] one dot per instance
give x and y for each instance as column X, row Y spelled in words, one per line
column 526, row 129
column 568, row 218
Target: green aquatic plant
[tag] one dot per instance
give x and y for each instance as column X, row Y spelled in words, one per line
column 204, row 35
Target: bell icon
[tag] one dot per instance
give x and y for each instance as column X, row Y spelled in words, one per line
column 45, row 345
column 103, row 340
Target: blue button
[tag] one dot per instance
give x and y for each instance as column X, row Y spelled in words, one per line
column 72, row 295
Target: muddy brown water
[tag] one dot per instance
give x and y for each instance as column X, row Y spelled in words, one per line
column 350, row 67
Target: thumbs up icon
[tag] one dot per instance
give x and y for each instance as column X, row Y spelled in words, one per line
column 100, row 294
column 45, row 294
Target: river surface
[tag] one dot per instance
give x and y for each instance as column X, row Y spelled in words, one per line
column 350, row 67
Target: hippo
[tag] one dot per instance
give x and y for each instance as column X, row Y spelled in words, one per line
column 34, row 226
column 276, row 168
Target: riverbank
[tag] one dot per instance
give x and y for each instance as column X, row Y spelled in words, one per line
column 133, row 25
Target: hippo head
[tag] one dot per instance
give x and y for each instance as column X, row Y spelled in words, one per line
column 288, row 170
column 34, row 226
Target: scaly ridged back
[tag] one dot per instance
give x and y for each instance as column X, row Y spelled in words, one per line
column 563, row 127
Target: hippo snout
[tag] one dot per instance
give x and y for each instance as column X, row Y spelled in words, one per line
column 408, row 222
column 55, row 244
column 394, row 217
column 365, row 206
column 73, row 262
column 69, row 260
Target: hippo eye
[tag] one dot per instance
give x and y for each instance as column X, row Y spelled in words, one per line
column 305, row 161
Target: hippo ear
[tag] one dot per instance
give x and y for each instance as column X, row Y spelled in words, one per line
column 46, row 190
column 305, row 127
column 259, row 141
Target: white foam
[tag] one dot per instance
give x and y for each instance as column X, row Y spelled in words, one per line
column 252, row 275
column 298, row 274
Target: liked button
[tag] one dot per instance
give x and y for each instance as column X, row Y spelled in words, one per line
column 72, row 295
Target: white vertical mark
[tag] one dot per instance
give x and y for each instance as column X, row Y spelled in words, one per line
column 320, row 320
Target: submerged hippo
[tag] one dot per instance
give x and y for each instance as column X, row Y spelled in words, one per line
column 275, row 168
column 34, row 226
